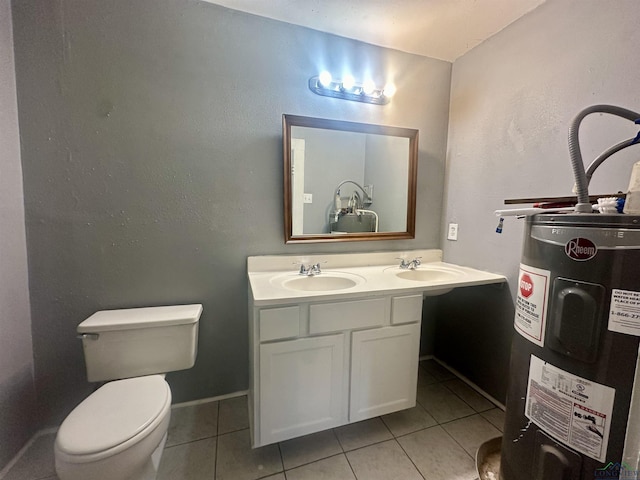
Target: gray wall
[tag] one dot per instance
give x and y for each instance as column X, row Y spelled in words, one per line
column 17, row 394
column 330, row 157
column 387, row 170
column 512, row 100
column 151, row 149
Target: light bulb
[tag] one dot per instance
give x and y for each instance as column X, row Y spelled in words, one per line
column 389, row 90
column 348, row 82
column 325, row 78
column 368, row 87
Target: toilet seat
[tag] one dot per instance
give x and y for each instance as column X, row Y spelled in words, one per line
column 110, row 420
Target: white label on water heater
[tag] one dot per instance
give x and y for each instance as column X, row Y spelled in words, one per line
column 624, row 314
column 531, row 303
column 572, row 409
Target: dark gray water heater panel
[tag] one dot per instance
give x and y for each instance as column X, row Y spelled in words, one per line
column 574, row 320
column 586, row 260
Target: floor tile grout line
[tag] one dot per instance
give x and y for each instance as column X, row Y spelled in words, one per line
column 314, row 461
column 343, row 452
column 374, row 443
column 351, row 467
column 235, row 431
column 455, row 377
column 475, row 412
column 467, row 403
column 317, row 459
column 460, row 418
column 369, row 445
column 460, row 445
column 187, row 442
column 448, row 421
column 338, row 439
column 385, row 424
column 409, row 456
column 281, row 458
column 500, row 428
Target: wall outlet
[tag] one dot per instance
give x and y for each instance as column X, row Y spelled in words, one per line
column 452, row 232
column 307, row 197
column 368, row 189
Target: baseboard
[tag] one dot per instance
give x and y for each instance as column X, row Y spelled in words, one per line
column 497, row 403
column 5, row 470
column 209, row 399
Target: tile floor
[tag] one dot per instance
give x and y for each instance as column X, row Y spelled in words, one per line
column 436, row 440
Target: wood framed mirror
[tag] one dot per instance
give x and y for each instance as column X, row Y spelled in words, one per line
column 346, row 181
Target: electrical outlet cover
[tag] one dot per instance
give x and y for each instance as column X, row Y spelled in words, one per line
column 452, row 233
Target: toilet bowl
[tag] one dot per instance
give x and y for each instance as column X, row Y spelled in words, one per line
column 119, row 431
column 114, row 433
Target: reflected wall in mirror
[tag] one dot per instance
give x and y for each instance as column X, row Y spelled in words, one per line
column 346, row 181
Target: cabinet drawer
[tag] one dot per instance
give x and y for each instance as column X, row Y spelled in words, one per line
column 406, row 309
column 335, row 317
column 277, row 323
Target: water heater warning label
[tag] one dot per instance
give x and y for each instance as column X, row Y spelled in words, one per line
column 624, row 314
column 531, row 303
column 572, row 409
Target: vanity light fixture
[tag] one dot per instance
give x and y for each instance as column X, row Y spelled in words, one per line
column 349, row 89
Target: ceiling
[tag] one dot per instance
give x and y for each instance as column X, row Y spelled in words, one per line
column 444, row 29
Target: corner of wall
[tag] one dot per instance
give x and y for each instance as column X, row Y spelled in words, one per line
column 17, row 389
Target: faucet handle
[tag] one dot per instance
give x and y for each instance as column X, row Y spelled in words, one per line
column 403, row 262
column 412, row 264
column 311, row 269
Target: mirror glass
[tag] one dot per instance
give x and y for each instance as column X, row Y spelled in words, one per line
column 346, row 181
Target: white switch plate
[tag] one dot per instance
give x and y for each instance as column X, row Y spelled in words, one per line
column 307, row 197
column 452, row 233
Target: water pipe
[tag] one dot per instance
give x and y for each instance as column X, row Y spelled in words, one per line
column 579, row 173
column 360, row 211
column 607, row 153
column 366, row 196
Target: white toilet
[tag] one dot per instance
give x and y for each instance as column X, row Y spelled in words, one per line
column 119, row 431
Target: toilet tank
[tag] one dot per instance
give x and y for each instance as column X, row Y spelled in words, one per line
column 134, row 342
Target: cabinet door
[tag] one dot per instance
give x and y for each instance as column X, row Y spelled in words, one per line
column 384, row 370
column 301, row 387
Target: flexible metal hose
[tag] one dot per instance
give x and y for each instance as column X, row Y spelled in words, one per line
column 582, row 184
column 606, row 154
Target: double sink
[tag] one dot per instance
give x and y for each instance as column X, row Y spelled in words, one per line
column 274, row 279
column 338, row 280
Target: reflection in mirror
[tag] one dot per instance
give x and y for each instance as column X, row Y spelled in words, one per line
column 348, row 181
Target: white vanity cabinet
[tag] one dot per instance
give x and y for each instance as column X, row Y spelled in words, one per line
column 384, row 370
column 318, row 365
column 301, row 387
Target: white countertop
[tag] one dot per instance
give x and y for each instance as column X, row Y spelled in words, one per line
column 379, row 273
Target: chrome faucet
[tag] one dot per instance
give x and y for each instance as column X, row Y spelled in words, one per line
column 310, row 270
column 411, row 265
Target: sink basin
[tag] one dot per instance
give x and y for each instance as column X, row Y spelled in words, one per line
column 324, row 282
column 428, row 274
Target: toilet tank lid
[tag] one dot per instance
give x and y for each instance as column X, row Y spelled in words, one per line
column 147, row 317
